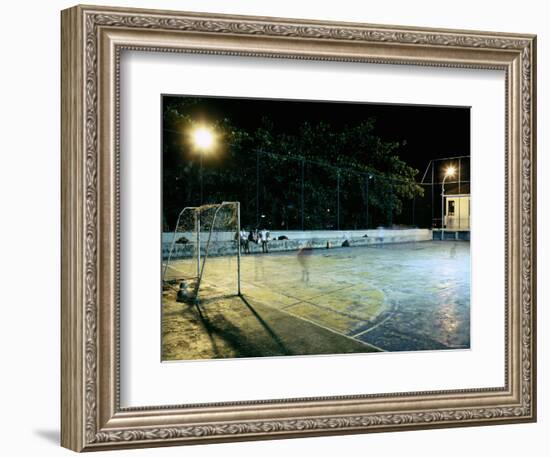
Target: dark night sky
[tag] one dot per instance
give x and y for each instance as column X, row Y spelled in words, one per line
column 425, row 132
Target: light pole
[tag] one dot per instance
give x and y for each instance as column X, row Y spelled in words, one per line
column 368, row 177
column 203, row 139
column 449, row 172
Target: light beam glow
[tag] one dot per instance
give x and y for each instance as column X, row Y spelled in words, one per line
column 450, row 171
column 203, row 138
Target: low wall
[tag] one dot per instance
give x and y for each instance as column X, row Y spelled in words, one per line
column 448, row 234
column 317, row 239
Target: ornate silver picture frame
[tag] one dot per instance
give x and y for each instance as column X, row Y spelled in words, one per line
column 93, row 40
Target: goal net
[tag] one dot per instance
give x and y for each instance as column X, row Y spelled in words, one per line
column 201, row 261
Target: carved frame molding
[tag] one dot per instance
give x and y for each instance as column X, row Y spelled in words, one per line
column 92, row 40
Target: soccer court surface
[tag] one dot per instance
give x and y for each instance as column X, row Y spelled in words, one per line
column 393, row 297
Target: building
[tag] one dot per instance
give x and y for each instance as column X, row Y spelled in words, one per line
column 457, row 212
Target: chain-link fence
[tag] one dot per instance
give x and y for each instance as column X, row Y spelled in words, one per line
column 283, row 192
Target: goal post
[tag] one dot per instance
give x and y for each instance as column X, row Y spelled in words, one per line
column 203, row 256
column 183, row 226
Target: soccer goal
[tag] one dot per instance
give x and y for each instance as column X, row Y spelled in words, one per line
column 203, row 260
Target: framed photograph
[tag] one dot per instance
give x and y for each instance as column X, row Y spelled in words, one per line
column 276, row 228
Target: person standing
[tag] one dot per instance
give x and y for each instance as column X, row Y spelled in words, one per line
column 246, row 242
column 264, row 238
column 249, row 240
column 303, row 257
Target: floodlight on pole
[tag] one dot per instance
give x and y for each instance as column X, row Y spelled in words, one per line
column 449, row 172
column 203, row 140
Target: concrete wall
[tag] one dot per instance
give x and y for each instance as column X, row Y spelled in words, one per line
column 448, row 234
column 224, row 243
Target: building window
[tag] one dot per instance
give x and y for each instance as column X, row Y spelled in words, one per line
column 451, row 208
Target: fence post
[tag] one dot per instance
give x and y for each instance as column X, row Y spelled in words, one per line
column 239, row 249
column 367, row 179
column 459, row 168
column 433, row 209
column 198, row 240
column 414, row 201
column 338, row 199
column 257, row 188
column 391, row 203
column 302, row 194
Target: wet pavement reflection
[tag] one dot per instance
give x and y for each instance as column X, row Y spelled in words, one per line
column 396, row 297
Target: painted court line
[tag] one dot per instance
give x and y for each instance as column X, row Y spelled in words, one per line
column 324, row 327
